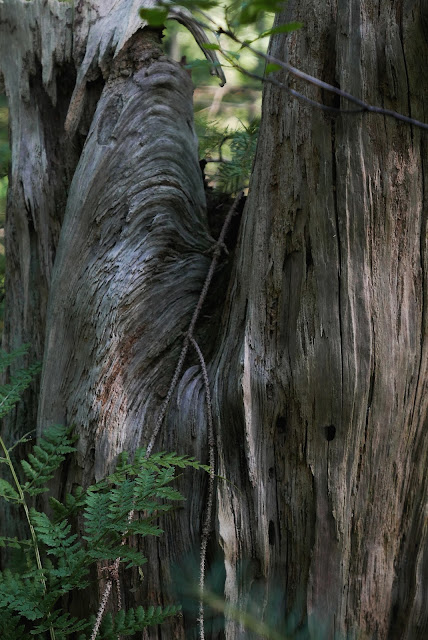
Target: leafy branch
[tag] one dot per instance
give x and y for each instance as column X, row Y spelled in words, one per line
column 239, row 14
column 233, row 152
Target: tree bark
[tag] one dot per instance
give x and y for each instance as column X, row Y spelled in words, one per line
column 322, row 370
column 318, row 362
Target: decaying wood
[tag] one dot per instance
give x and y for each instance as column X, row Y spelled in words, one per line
column 35, row 71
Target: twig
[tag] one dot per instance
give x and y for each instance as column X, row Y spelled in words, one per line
column 364, row 107
column 101, row 608
column 209, row 508
column 216, row 254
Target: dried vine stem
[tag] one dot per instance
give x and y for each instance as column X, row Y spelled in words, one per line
column 209, row 508
column 101, row 608
column 219, row 246
column 364, row 107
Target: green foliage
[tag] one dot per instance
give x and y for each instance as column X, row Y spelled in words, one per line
column 46, row 458
column 56, row 560
column 234, row 175
column 154, row 17
column 132, row 621
column 11, row 391
column 232, row 152
column 244, row 13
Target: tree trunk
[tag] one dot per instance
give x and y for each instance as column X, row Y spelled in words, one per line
column 322, row 372
column 318, row 363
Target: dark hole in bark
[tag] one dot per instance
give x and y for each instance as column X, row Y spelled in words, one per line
column 395, row 611
column 271, row 533
column 271, row 473
column 281, row 424
column 330, row 432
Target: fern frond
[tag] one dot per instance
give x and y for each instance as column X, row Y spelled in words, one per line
column 11, row 392
column 96, row 523
column 56, row 536
column 121, row 501
column 24, row 595
column 46, row 458
column 11, row 627
column 73, row 502
column 132, row 621
column 164, row 459
column 15, row 543
column 143, row 528
column 8, row 492
column 64, row 624
column 127, row 554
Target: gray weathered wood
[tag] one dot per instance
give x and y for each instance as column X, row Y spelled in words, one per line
column 326, row 335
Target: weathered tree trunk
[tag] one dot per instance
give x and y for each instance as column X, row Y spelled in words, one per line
column 322, row 373
column 105, row 183
column 38, row 86
column 319, row 365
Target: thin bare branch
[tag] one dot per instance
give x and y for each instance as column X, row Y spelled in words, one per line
column 209, row 507
column 218, row 247
column 364, row 107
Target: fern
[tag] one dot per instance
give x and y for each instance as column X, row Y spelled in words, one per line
column 46, row 458
column 234, row 175
column 232, row 151
column 56, row 560
column 10, row 393
column 32, row 597
column 64, row 623
column 133, row 621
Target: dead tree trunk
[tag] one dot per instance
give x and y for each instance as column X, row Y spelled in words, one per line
column 319, row 364
column 322, row 370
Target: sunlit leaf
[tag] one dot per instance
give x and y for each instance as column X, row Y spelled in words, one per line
column 282, row 28
column 271, row 66
column 154, row 17
column 211, row 45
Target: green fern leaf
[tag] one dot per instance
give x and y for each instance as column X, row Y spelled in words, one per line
column 8, row 492
column 63, row 623
column 96, row 523
column 46, row 458
column 15, row 543
column 11, row 392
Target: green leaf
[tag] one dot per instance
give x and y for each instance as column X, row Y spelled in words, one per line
column 282, row 28
column 251, row 9
column 271, row 66
column 11, row 392
column 15, row 543
column 46, row 457
column 201, row 64
column 8, row 492
column 211, row 46
column 154, row 17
